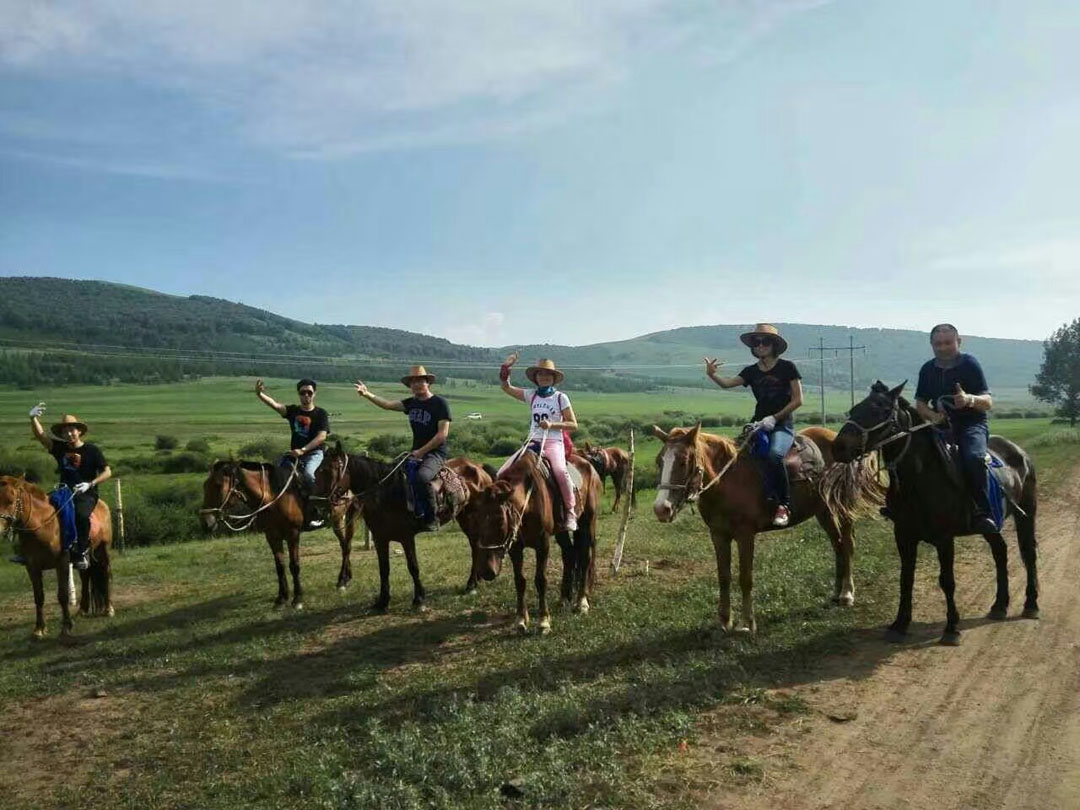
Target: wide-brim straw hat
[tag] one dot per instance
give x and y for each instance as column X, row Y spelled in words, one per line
column 765, row 330
column 69, row 420
column 544, row 365
column 414, row 373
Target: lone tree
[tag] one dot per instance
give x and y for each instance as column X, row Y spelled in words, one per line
column 1058, row 381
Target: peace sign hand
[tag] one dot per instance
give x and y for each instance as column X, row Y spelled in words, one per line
column 512, row 358
column 361, row 389
column 712, row 364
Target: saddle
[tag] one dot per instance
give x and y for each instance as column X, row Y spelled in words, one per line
column 451, row 494
column 803, row 461
column 950, row 455
column 558, row 505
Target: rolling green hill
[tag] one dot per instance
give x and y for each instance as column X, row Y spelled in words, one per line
column 63, row 331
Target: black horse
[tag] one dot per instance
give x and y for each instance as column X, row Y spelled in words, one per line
column 926, row 501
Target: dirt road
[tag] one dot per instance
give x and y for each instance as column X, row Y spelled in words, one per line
column 994, row 723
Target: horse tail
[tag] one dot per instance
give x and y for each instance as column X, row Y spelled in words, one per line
column 851, row 490
column 100, row 580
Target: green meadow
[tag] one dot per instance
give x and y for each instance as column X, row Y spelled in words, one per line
column 198, row 694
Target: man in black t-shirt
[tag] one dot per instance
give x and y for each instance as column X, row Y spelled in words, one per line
column 309, row 426
column 429, row 418
column 82, row 467
column 955, row 383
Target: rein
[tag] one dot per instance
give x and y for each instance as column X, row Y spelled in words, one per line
column 519, row 517
column 693, row 487
column 249, row 518
column 13, row 520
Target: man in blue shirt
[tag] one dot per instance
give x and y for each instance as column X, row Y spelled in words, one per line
column 959, row 379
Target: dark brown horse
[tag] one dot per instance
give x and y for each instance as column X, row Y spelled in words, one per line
column 515, row 512
column 614, row 462
column 26, row 510
column 734, row 507
column 243, row 495
column 379, row 489
column 927, row 502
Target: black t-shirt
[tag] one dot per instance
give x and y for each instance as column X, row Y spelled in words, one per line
column 78, row 464
column 935, row 381
column 424, row 417
column 772, row 388
column 305, row 424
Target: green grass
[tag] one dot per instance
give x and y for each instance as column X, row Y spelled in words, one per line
column 199, row 695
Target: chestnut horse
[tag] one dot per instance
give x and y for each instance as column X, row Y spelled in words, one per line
column 26, row 510
column 926, row 502
column 253, row 494
column 613, row 461
column 516, row 511
column 734, row 507
column 379, row 489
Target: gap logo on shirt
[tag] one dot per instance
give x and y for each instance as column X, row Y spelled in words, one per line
column 419, row 416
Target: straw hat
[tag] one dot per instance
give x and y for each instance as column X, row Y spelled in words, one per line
column 69, row 419
column 544, row 364
column 417, row 371
column 765, row 330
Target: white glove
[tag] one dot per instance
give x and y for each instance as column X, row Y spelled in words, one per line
column 37, row 410
column 768, row 424
column 81, row 487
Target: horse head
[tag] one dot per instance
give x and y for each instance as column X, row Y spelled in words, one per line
column 870, row 421
column 332, row 479
column 497, row 512
column 681, row 470
column 221, row 489
column 12, row 502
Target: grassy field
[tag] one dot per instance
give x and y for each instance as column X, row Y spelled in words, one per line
column 199, row 695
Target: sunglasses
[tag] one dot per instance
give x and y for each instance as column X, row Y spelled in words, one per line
column 761, row 342
column 307, row 393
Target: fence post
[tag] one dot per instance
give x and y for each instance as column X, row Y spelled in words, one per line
column 120, row 516
column 628, row 497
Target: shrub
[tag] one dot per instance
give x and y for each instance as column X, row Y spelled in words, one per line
column 728, row 420
column 166, row 443
column 388, row 445
column 198, row 446
column 37, row 467
column 157, row 511
column 503, row 447
column 265, row 449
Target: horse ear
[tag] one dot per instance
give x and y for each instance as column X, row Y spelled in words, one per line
column 588, row 446
column 692, row 434
column 658, row 433
column 502, row 490
column 895, row 392
column 213, row 465
column 337, row 445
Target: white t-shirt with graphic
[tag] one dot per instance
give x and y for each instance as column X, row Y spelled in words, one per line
column 550, row 408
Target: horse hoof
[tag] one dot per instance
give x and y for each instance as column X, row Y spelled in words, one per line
column 38, row 634
column 298, row 605
column 1030, row 613
column 743, row 630
column 280, row 603
column 894, row 636
column 522, row 628
column 545, row 627
column 997, row 614
column 582, row 607
column 420, row 607
column 950, row 638
column 380, row 607
column 846, row 600
column 110, row 611
column 470, row 592
column 341, row 589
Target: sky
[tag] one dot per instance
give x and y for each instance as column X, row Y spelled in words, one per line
column 533, row 171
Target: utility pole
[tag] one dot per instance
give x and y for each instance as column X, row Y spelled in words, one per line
column 851, row 348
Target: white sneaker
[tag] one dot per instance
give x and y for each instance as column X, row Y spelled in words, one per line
column 782, row 516
column 571, row 524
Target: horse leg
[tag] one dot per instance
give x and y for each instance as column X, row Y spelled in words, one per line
column 414, row 572
column 517, row 556
column 1025, row 536
column 100, row 577
column 39, row 601
column 947, row 581
column 1000, row 609
column 617, row 481
column 277, row 548
column 569, row 568
column 543, row 549
column 908, row 549
column 62, row 595
column 85, row 606
column 382, row 551
column 722, row 547
column 344, row 526
column 294, row 569
column 746, row 583
column 841, row 537
column 583, row 548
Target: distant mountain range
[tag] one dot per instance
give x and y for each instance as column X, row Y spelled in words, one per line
column 58, row 330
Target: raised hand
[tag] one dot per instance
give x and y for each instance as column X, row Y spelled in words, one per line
column 361, row 389
column 259, row 387
column 512, row 358
column 37, row 410
column 711, row 365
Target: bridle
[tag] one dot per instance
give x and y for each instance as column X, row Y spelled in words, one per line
column 13, row 519
column 513, row 518
column 243, row 522
column 693, row 489
column 898, row 432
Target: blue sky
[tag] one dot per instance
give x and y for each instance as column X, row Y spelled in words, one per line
column 548, row 171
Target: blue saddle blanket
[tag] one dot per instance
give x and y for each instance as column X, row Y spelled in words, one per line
column 759, row 445
column 996, row 493
column 62, row 500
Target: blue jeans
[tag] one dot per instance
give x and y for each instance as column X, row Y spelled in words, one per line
column 305, row 471
column 420, row 473
column 776, row 480
column 971, row 439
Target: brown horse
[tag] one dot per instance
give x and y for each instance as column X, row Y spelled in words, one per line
column 735, row 506
column 252, row 494
column 613, row 461
column 26, row 510
column 379, row 489
column 517, row 511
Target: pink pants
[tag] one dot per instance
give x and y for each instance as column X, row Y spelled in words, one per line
column 555, row 454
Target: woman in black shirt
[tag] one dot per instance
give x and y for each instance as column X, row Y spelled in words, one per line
column 778, row 391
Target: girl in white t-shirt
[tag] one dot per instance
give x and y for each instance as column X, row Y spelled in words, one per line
column 552, row 415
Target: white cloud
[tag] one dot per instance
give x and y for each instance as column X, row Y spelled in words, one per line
column 487, row 330
column 330, row 78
